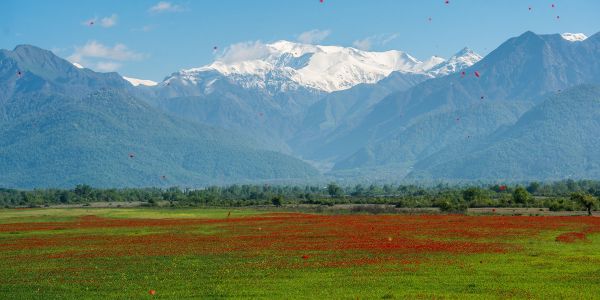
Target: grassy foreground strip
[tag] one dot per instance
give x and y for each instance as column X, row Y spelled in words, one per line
column 219, row 253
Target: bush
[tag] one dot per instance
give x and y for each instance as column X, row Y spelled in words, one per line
column 521, row 196
column 277, row 200
column 448, row 205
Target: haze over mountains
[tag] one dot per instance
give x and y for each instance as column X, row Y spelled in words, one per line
column 290, row 111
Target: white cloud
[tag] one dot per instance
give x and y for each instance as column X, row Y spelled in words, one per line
column 93, row 49
column 364, row 44
column 109, row 21
column 313, row 36
column 388, row 38
column 244, row 51
column 164, row 6
column 107, row 66
column 105, row 22
column 103, row 58
column 375, row 40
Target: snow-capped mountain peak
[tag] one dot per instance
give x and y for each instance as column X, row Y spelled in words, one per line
column 574, row 37
column 290, row 65
column 461, row 60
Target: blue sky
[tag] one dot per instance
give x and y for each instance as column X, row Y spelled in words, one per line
column 150, row 39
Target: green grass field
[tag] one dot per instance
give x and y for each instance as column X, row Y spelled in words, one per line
column 218, row 253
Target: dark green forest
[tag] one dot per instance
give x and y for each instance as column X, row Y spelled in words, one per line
column 566, row 195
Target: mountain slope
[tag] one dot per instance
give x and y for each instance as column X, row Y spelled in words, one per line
column 555, row 140
column 290, row 96
column 268, row 118
column 340, row 110
column 345, row 107
column 437, row 133
column 61, row 129
column 523, row 69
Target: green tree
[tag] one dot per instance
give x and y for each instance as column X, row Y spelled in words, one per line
column 277, row 200
column 83, row 190
column 521, row 196
column 586, row 200
column 472, row 195
column 533, row 187
column 334, row 190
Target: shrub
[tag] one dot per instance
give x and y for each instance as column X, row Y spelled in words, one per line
column 277, row 200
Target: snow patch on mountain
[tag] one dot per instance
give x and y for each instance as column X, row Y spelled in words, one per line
column 574, row 37
column 137, row 82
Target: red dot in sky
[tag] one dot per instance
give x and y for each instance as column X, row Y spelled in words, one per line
column 477, row 74
column 321, row 1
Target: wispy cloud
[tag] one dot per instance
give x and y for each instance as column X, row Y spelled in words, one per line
column 313, row 36
column 244, row 51
column 105, row 22
column 145, row 28
column 364, row 44
column 103, row 58
column 374, row 40
column 109, row 21
column 107, row 66
column 164, row 6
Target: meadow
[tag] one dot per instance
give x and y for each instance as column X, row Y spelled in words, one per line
column 147, row 253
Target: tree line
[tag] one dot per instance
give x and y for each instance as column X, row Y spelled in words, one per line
column 561, row 195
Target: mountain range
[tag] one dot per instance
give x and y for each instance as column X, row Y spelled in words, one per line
column 526, row 111
column 61, row 126
column 273, row 95
column 518, row 75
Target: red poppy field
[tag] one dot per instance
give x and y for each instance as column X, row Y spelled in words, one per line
column 137, row 253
